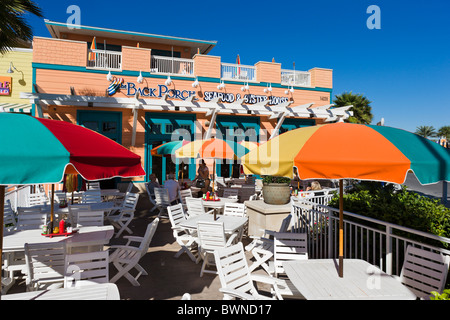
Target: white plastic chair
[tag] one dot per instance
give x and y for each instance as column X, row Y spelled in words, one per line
column 73, row 212
column 211, row 236
column 183, row 194
column 236, row 210
column 262, row 247
column 187, row 239
column 125, row 214
column 195, row 207
column 125, row 258
column 9, row 217
column 151, row 198
column 90, row 218
column 424, row 271
column 86, row 269
column 36, row 199
column 45, row 265
column 30, row 218
column 232, row 193
column 162, row 200
column 91, row 196
column 235, row 278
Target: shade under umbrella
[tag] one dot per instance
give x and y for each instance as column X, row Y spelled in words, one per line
column 354, row 151
column 35, row 150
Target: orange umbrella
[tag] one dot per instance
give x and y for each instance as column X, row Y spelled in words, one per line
column 92, row 55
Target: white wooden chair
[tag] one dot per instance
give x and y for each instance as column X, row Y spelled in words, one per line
column 30, row 218
column 162, row 201
column 262, row 247
column 73, row 212
column 125, row 258
column 90, row 218
column 195, row 207
column 93, row 185
column 151, row 197
column 236, row 210
column 125, row 214
column 288, row 246
column 86, row 269
column 45, row 265
column 186, row 239
column 235, row 278
column 424, row 271
column 232, row 193
column 211, row 236
column 183, row 194
column 9, row 217
column 37, row 199
column 91, row 196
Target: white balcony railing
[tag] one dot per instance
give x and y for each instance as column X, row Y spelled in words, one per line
column 104, row 60
column 295, row 78
column 169, row 65
column 238, row 72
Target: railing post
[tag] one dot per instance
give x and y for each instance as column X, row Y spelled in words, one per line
column 330, row 234
column 388, row 250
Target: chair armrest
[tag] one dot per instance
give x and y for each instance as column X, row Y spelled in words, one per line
column 133, row 239
column 231, row 239
column 236, row 294
column 210, row 211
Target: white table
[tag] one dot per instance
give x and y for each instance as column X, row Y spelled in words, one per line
column 102, row 291
column 230, row 223
column 318, row 279
column 14, row 241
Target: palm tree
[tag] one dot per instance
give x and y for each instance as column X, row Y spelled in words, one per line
column 13, row 28
column 426, row 131
column 362, row 111
column 444, row 132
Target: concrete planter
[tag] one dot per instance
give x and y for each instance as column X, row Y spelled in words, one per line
column 276, row 193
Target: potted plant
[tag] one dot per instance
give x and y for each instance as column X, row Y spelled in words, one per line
column 276, row 190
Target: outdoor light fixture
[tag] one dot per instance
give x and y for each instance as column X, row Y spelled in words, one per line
column 291, row 90
column 168, row 81
column 140, row 79
column 109, row 76
column 268, row 89
column 246, row 87
column 195, row 84
column 221, row 86
column 11, row 67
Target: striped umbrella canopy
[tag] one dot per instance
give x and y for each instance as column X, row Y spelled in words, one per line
column 168, row 148
column 355, row 151
column 92, row 56
column 212, row 149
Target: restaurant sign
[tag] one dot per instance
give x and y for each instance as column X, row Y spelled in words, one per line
column 5, row 86
column 130, row 89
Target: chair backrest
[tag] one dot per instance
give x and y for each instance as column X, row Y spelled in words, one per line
column 86, row 269
column 30, row 218
column 73, row 212
column 151, row 194
column 424, row 271
column 162, row 196
column 9, row 217
column 289, row 246
column 230, row 192
column 90, row 218
column 130, row 201
column 211, row 235
column 45, row 262
column 94, row 185
column 36, row 199
column 148, row 236
column 285, row 223
column 185, row 194
column 176, row 214
column 91, row 196
column 234, row 209
column 233, row 269
column 194, row 206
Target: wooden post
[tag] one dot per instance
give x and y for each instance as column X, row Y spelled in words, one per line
column 2, row 223
column 341, row 228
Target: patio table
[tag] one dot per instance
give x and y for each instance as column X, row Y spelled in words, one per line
column 101, row 291
column 86, row 238
column 318, row 279
column 230, row 223
column 218, row 204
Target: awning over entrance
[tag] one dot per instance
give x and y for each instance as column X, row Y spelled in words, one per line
column 15, row 107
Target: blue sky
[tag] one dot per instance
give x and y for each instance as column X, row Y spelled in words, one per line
column 403, row 68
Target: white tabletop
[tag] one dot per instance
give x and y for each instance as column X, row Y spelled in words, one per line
column 102, row 291
column 230, row 223
column 218, row 204
column 318, row 279
column 86, row 236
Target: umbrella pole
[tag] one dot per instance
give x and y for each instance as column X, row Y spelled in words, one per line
column 52, row 205
column 341, row 228
column 214, row 175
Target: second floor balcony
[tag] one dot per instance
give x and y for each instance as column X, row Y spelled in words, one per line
column 104, row 60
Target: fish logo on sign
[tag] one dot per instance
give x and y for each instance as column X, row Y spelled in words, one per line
column 115, row 85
